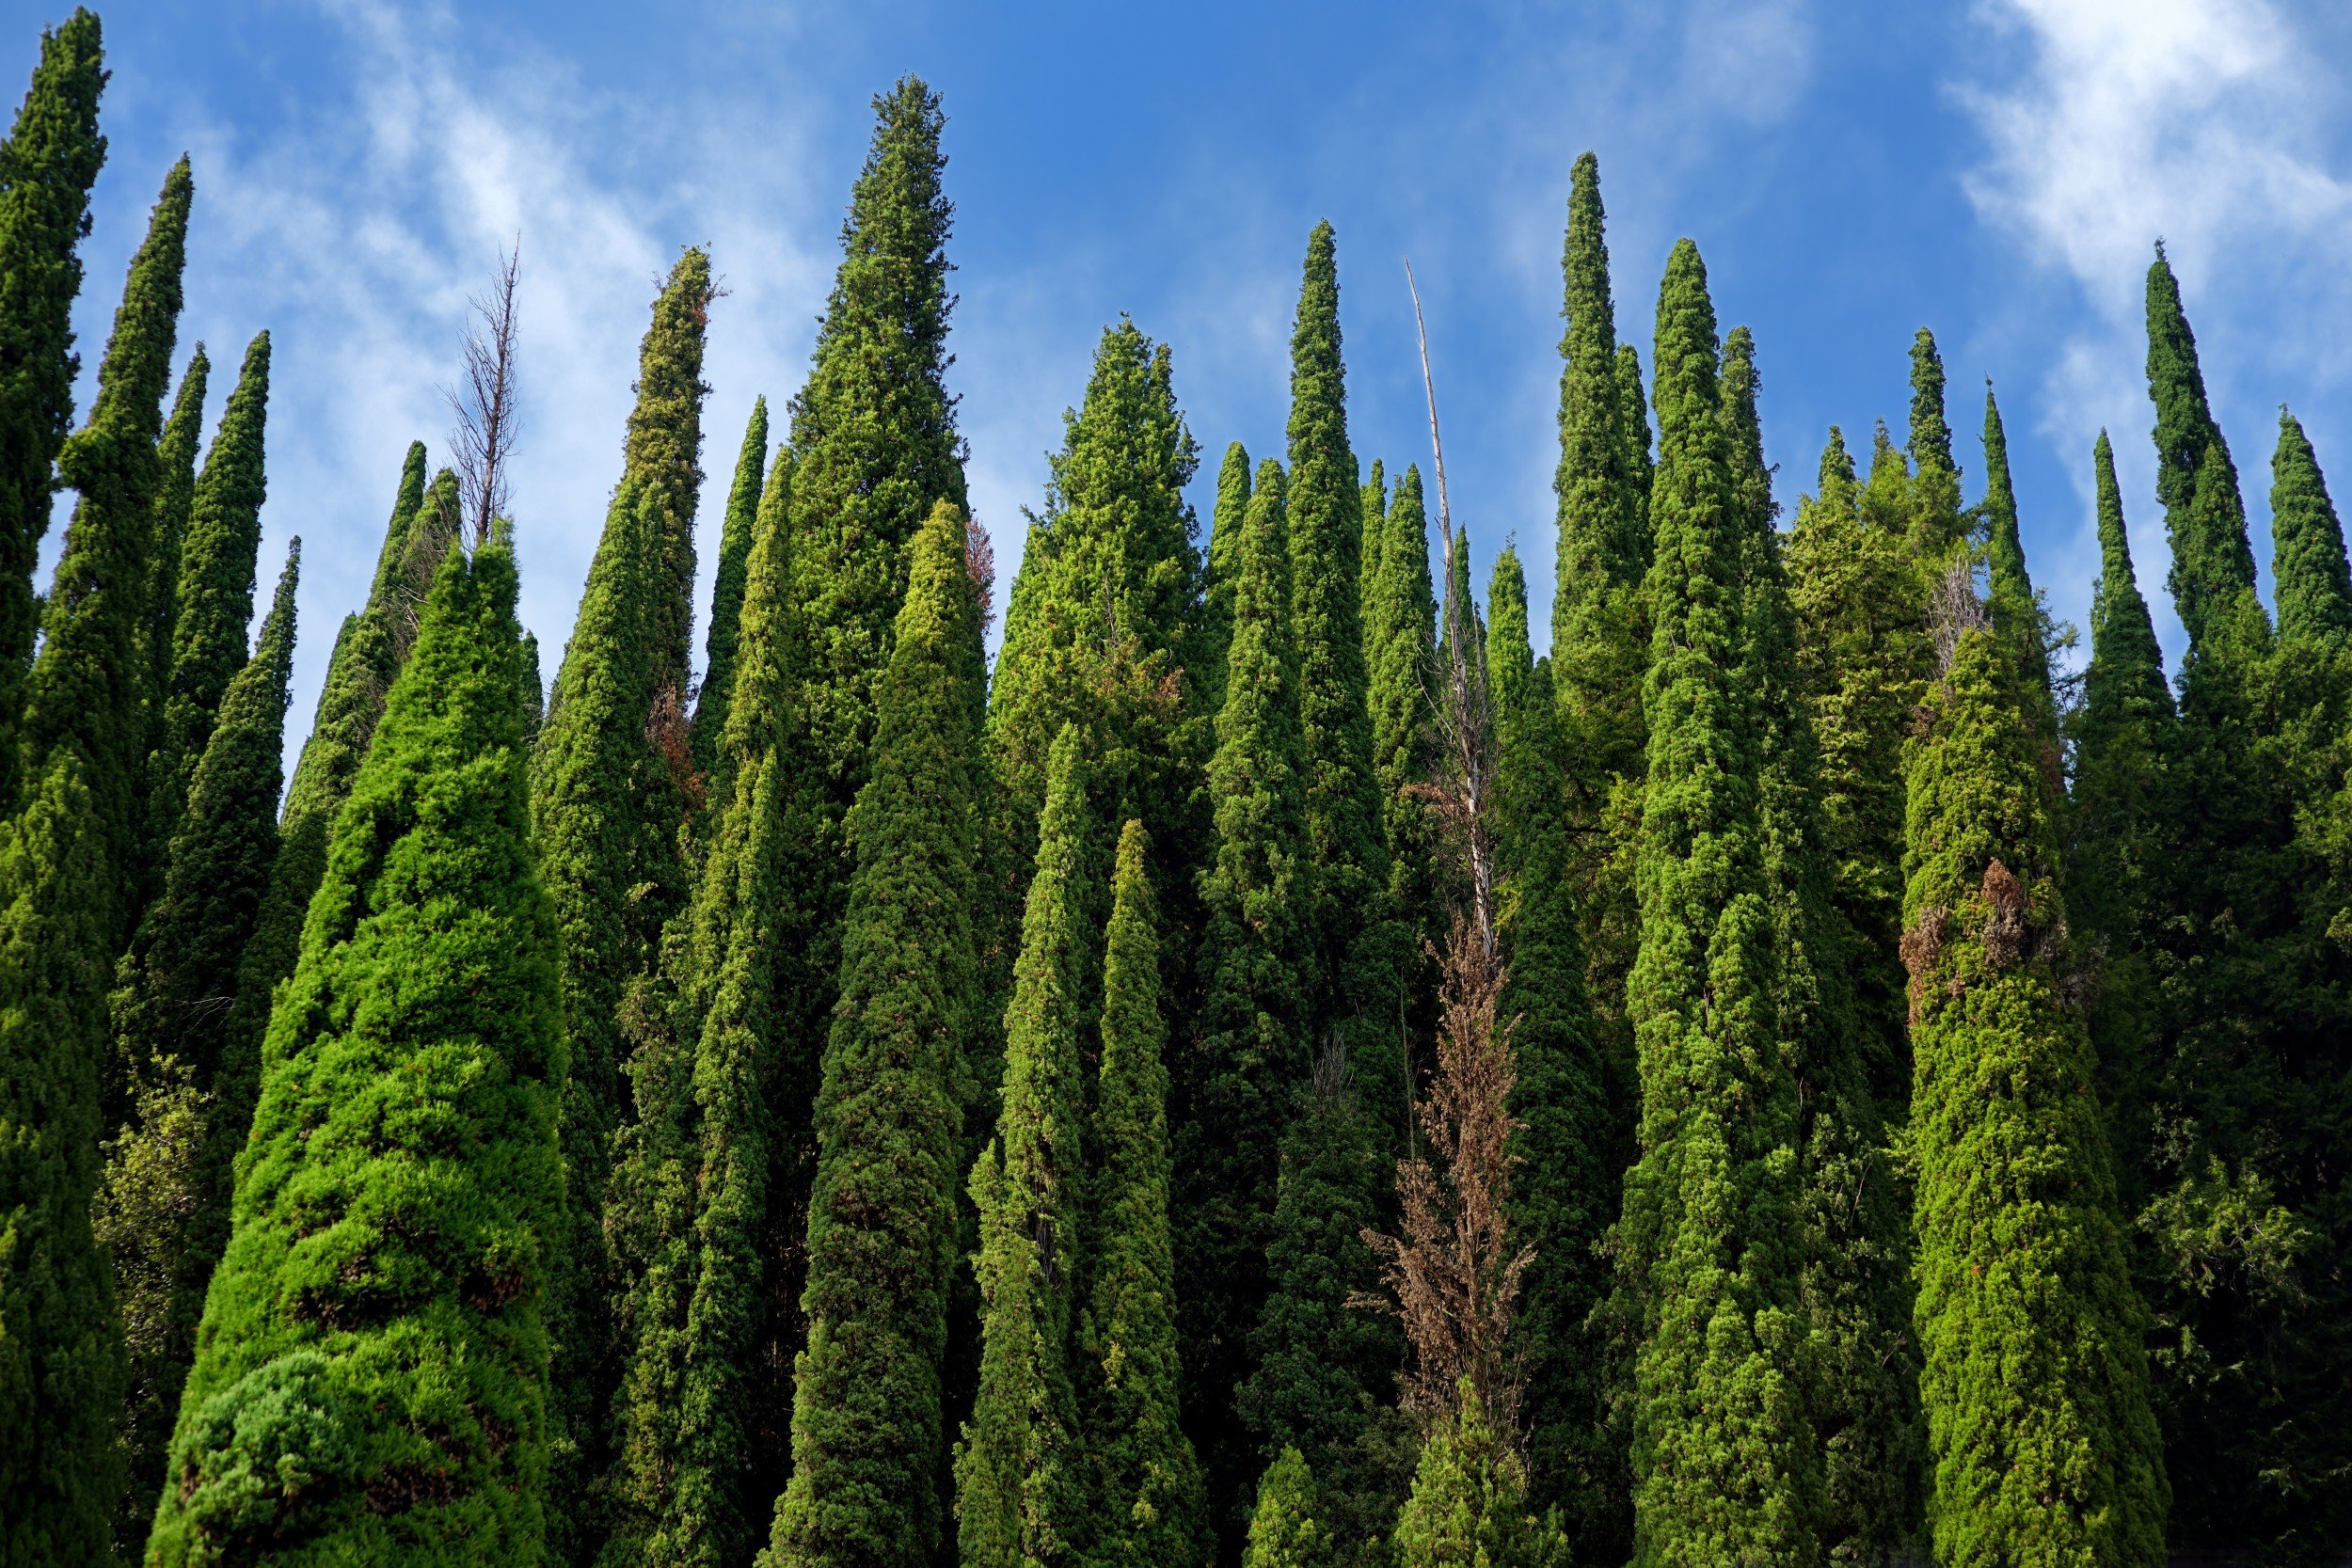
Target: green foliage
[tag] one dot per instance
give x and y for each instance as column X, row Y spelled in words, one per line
column 1146, row 1477
column 2314, row 588
column 47, row 166
column 175, row 499
column 1399, row 620
column 1724, row 1458
column 212, row 598
column 663, row 455
column 2035, row 1382
column 866, row 1422
column 1224, row 563
column 727, row 595
column 1020, row 1477
column 2213, row 563
column 1469, row 1506
column 1284, row 1531
column 371, row 1381
column 163, row 1207
column 2010, row 601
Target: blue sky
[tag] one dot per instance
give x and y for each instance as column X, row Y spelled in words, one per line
column 1995, row 171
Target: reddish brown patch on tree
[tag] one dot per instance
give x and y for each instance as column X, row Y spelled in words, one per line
column 2005, row 932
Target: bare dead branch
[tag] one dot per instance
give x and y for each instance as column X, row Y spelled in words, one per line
column 484, row 402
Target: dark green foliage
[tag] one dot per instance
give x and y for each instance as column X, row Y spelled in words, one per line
column 371, row 1380
column 1374, row 505
column 2314, row 588
column 708, row 1175
column 1285, row 1526
column 1224, row 562
column 727, row 595
column 2010, row 601
column 2035, row 1382
column 213, row 599
column 1469, row 1506
column 1250, row 1051
column 1147, row 1480
column 89, row 691
column 1021, row 1494
column 162, row 1210
column 175, row 499
column 663, row 455
column 866, row 1422
column 1399, row 620
column 1633, row 428
column 47, row 166
column 874, row 431
column 2212, row 562
column 1565, row 1187
column 1724, row 1458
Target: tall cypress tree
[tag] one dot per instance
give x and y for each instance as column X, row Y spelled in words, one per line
column 1400, row 614
column 1256, row 954
column 1469, row 1506
column 175, row 499
column 62, row 861
column 1564, row 1188
column 608, row 798
column 1284, row 1530
column 1223, row 563
column 2313, row 587
column 1633, row 430
column 1722, row 1454
column 212, row 592
column 2204, row 515
column 2035, row 1381
column 2009, row 596
column 1373, row 503
column 1147, row 1480
column 1021, row 1495
column 726, row 594
column 374, row 1326
column 163, row 1208
column 47, row 166
column 866, row 1422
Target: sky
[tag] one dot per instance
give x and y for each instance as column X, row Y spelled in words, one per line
column 1995, row 171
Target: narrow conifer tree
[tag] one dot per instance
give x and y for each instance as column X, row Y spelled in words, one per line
column 163, row 1206
column 1223, row 563
column 52, row 158
column 212, row 592
column 726, row 594
column 1722, row 1454
column 2035, row 1384
column 1146, row 1477
column 1375, row 506
column 2314, row 589
column 1021, row 1493
column 1469, row 1506
column 664, row 454
column 2009, row 596
column 374, row 1325
column 867, row 1423
column 1400, row 614
column 175, row 497
column 1285, row 1528
column 2213, row 561
column 1633, row 428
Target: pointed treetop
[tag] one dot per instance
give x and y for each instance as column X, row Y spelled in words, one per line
column 2126, row 661
column 2004, row 550
column 726, row 595
column 2204, row 514
column 1930, row 433
column 2314, row 594
column 1838, row 482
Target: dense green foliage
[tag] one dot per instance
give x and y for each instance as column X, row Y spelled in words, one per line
column 1285, row 1528
column 1470, row 1507
column 724, row 639
column 1400, row 634
column 371, row 1380
column 175, row 499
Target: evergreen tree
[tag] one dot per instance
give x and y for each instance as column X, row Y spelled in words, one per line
column 1469, row 1506
column 212, row 594
column 1224, row 564
column 2313, row 587
column 62, row 923
column 609, row 777
column 2010, row 597
column 2035, row 1382
column 1399, row 633
column 2213, row 561
column 175, row 499
column 47, row 166
column 1146, row 1477
column 1373, row 503
column 1284, row 1531
column 1019, row 1478
column 1251, row 1049
column 866, row 1422
column 727, row 595
column 371, row 1380
column 705, row 1178
column 1723, row 1455
column 1564, row 1187
column 163, row 1205
column 1633, row 428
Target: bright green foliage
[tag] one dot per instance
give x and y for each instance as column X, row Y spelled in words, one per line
column 727, row 595
column 1251, row 1050
column 663, row 455
column 371, row 1383
column 175, row 499
column 867, row 1423
column 1857, row 1305
column 87, row 691
column 213, row 599
column 1021, row 1495
column 1633, row 428
column 2314, row 588
column 1565, row 1190
column 1723, row 1462
column 875, row 432
column 1285, row 1528
column 2010, row 601
column 2035, row 1382
column 47, row 166
column 2213, row 561
column 707, row 1176
column 1373, row 503
column 162, row 1210
column 1146, row 1477
column 1400, row 622
column 1470, row 1505
column 1224, row 563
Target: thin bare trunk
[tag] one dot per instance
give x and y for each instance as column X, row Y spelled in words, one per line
column 484, row 402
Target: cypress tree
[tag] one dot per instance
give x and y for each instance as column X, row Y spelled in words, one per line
column 1223, row 565
column 371, row 1380
column 2313, row 587
column 2035, row 1382
column 175, row 497
column 47, row 166
column 1564, row 1187
column 1399, row 636
column 212, row 596
column 702, row 1177
column 1723, row 1455
column 1470, row 1505
column 1633, row 428
column 1284, row 1531
column 609, row 794
column 163, row 1206
column 2009, row 596
column 1373, row 503
column 866, row 1421
column 1251, row 1050
column 2213, row 561
column 1020, row 1477
column 1146, row 1476
column 727, row 595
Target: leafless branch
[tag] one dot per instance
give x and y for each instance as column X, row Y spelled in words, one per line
column 484, row 402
